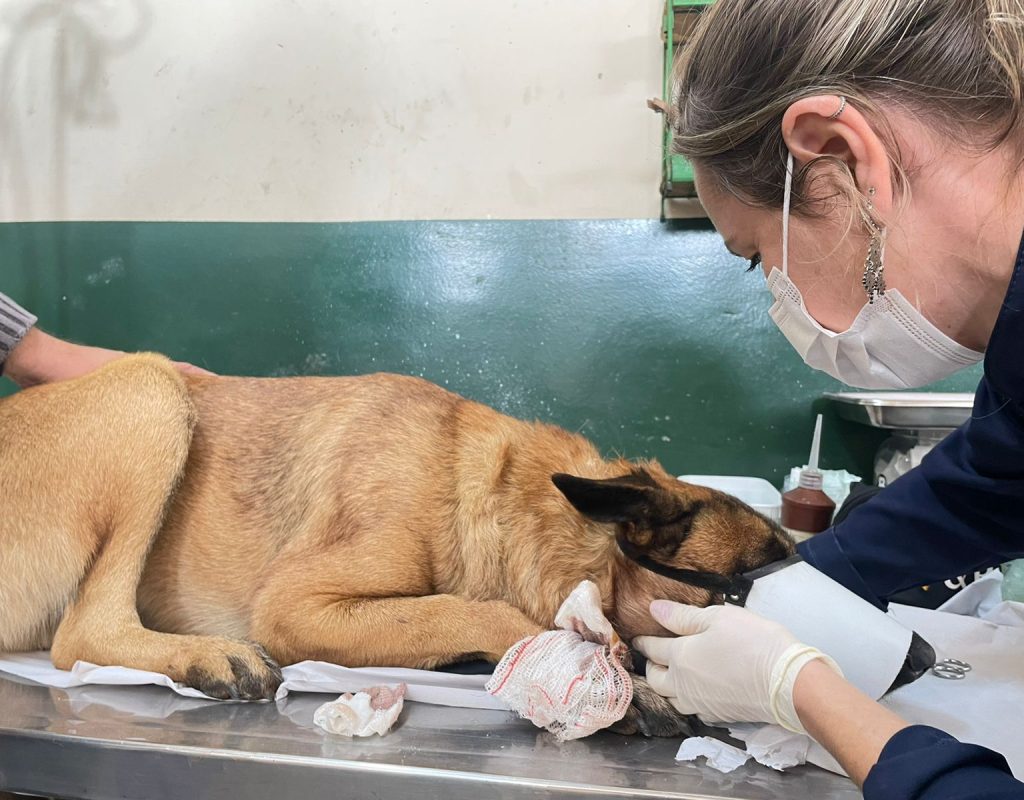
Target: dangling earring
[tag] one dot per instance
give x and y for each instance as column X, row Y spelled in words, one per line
column 874, row 266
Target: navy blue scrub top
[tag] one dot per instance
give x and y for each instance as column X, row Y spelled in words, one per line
column 961, row 510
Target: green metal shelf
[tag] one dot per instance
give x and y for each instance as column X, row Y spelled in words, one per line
column 677, row 174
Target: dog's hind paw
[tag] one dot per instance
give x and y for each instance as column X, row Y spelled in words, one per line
column 650, row 714
column 232, row 670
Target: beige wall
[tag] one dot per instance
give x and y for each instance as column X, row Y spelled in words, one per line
column 328, row 110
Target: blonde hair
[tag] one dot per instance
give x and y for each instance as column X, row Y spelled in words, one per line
column 956, row 63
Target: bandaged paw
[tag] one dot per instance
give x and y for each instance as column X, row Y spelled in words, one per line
column 571, row 681
column 371, row 711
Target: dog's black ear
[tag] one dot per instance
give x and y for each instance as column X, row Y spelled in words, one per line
column 633, row 498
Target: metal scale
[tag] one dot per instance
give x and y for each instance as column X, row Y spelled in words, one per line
column 918, row 421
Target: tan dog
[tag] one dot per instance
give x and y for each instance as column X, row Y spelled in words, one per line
column 169, row 524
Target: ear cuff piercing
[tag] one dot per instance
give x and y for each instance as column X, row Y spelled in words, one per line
column 841, row 109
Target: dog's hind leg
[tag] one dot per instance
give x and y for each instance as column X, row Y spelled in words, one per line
column 128, row 429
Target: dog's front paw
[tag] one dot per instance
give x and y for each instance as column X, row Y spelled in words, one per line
column 650, row 714
column 230, row 670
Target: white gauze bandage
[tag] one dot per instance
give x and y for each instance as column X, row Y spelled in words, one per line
column 570, row 681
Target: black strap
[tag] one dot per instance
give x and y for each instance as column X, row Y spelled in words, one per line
column 734, row 589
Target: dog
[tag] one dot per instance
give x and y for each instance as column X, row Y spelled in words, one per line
column 213, row 528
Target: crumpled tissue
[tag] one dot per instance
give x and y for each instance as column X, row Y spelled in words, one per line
column 720, row 755
column 364, row 713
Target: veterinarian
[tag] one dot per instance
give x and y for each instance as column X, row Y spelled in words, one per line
column 30, row 357
column 867, row 155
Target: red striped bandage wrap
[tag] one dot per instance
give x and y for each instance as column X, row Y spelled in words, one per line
column 570, row 681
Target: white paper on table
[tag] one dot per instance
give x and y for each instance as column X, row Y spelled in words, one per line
column 773, row 746
column 720, row 755
column 37, row 667
column 424, row 686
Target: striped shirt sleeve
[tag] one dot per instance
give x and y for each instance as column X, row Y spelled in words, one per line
column 15, row 322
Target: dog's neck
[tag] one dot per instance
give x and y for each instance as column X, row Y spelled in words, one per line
column 513, row 522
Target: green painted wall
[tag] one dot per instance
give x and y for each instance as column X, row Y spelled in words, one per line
column 650, row 339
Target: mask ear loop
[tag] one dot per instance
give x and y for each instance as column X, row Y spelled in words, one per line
column 787, row 200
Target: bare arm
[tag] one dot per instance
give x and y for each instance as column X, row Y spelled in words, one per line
column 40, row 358
column 844, row 720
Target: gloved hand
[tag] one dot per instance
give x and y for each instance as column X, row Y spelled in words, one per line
column 728, row 664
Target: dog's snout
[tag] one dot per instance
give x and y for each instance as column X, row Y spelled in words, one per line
column 776, row 546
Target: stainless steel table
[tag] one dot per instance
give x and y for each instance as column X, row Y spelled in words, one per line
column 147, row 743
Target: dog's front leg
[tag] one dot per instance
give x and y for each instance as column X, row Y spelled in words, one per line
column 359, row 603
column 418, row 632
column 650, row 714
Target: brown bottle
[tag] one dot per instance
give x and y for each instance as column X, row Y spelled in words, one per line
column 807, row 509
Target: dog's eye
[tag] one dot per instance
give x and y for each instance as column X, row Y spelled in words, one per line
column 755, row 262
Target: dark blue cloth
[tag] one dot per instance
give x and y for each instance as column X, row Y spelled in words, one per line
column 922, row 763
column 961, row 510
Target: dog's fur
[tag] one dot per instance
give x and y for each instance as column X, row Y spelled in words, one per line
column 169, row 524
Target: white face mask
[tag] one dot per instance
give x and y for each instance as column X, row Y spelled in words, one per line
column 890, row 344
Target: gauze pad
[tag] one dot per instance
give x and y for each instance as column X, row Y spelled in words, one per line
column 571, row 681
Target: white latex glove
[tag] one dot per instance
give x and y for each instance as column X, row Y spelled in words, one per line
column 728, row 664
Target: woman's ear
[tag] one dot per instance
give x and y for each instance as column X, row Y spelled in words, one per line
column 811, row 130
